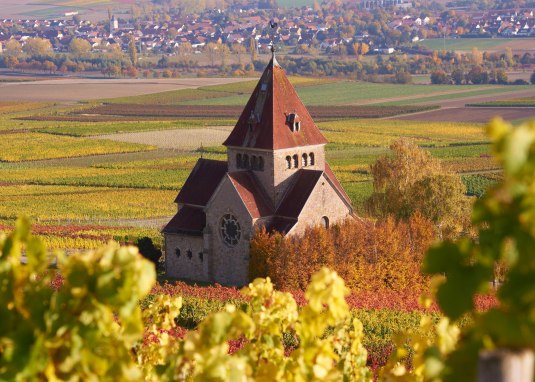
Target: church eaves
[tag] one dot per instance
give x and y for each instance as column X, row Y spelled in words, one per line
column 274, row 117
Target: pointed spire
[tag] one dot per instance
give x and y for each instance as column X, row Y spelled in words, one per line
column 274, row 117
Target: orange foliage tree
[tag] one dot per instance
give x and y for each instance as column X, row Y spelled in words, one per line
column 369, row 255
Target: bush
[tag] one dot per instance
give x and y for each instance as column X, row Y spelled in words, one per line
column 372, row 256
column 149, row 250
column 439, row 77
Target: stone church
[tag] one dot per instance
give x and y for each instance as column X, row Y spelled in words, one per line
column 275, row 176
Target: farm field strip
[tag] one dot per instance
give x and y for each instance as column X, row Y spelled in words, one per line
column 198, row 113
column 238, row 87
column 189, row 139
column 466, row 44
column 514, row 102
column 350, row 92
column 70, row 90
column 93, row 129
column 83, row 204
column 453, row 95
column 470, row 114
column 383, row 132
column 35, row 146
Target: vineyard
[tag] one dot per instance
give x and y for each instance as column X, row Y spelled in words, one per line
column 34, row 146
column 81, row 191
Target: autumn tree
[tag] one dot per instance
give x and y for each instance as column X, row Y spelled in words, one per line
column 11, row 62
column 37, row 46
column 252, row 48
column 185, row 49
column 211, row 52
column 239, row 50
column 411, row 181
column 132, row 50
column 13, row 48
column 79, row 46
column 224, row 54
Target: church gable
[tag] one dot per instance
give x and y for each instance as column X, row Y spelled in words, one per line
column 323, row 206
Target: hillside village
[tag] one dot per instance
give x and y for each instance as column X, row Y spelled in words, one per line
column 321, row 28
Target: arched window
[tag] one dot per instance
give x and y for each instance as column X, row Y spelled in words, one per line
column 177, row 252
column 305, row 160
column 261, row 163
column 325, row 222
column 296, row 161
column 288, row 162
column 238, row 161
column 189, row 254
column 245, row 161
column 254, row 162
column 311, row 159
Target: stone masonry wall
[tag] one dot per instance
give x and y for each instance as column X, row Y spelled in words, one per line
column 323, row 201
column 184, row 266
column 282, row 174
column 276, row 176
column 228, row 265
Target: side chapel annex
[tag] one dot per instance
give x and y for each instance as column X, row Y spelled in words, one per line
column 275, row 176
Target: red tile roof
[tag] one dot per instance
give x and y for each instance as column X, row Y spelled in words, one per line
column 188, row 220
column 280, row 224
column 332, row 178
column 251, row 193
column 202, row 182
column 300, row 191
column 264, row 124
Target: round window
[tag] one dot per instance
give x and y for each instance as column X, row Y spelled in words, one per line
column 230, row 230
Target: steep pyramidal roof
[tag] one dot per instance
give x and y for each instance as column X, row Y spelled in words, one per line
column 274, row 118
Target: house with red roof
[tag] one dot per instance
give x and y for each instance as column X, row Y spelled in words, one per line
column 275, row 176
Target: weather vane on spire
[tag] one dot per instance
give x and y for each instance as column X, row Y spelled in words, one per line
column 273, row 26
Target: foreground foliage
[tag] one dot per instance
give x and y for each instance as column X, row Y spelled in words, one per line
column 87, row 328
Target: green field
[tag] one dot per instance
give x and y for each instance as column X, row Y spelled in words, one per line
column 516, row 102
column 466, row 44
column 341, row 93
